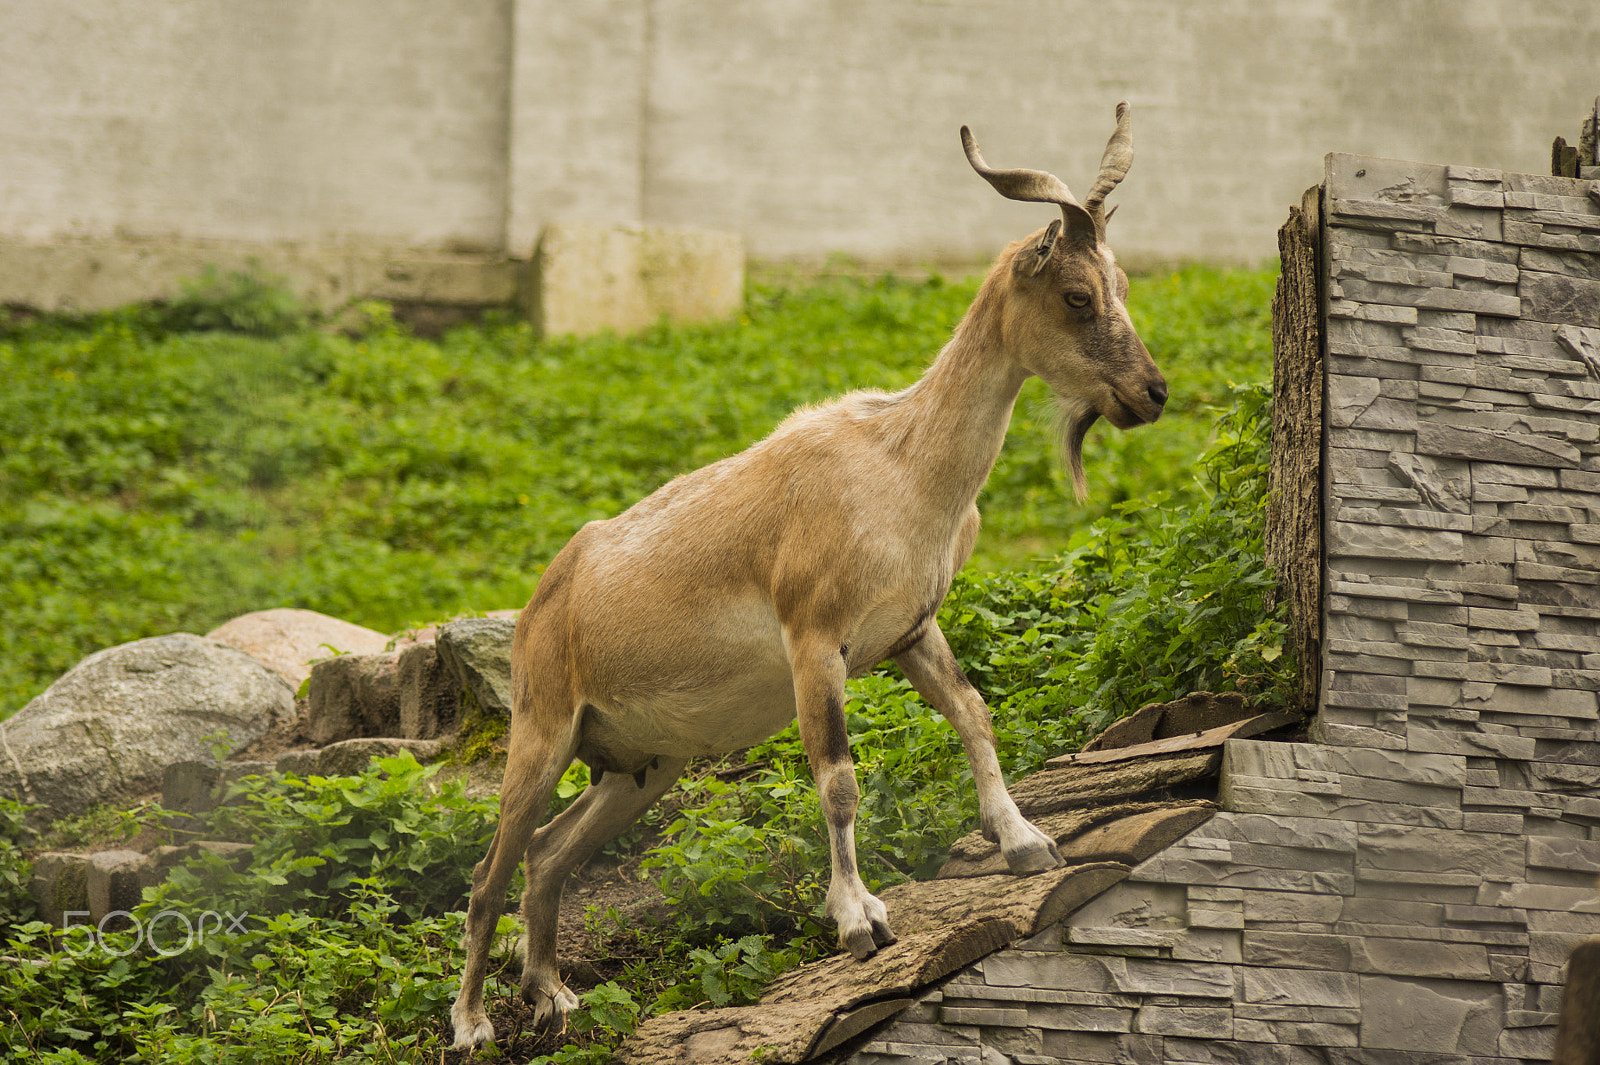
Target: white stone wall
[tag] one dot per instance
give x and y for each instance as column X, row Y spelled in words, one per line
column 300, row 120
column 806, row 128
column 1408, row 888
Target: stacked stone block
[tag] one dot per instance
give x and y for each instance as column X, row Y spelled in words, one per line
column 1463, row 461
column 1407, row 887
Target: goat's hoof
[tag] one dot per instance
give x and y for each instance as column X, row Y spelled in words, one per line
column 1037, row 853
column 550, row 1006
column 864, row 942
column 472, row 1029
column 867, row 931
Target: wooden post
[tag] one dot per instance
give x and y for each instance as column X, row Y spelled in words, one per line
column 1294, row 510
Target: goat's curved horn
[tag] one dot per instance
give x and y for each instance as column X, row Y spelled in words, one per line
column 1113, row 165
column 1033, row 186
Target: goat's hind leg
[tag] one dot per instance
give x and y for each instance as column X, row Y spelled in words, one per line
column 932, row 669
column 534, row 764
column 819, row 674
column 598, row 816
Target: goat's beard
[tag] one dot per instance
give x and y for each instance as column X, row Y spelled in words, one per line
column 1074, row 417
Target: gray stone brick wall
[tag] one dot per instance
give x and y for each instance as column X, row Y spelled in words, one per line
column 1408, row 886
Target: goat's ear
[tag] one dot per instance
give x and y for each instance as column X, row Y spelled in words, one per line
column 1111, row 212
column 1031, row 259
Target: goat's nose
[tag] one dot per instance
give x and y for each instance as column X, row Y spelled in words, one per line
column 1158, row 393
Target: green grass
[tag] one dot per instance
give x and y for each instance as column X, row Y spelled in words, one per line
column 154, row 480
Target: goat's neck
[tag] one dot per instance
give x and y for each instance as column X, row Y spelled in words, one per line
column 958, row 413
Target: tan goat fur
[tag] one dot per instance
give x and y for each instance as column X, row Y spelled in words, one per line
column 735, row 598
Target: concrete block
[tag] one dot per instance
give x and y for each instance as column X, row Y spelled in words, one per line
column 1519, row 619
column 1434, row 1016
column 984, row 1015
column 1296, row 950
column 430, row 695
column 1378, row 910
column 1426, row 850
column 1215, row 944
column 1390, row 588
column 1475, row 821
column 1111, row 1049
column 1559, row 299
column 1528, row 1043
column 1261, row 832
column 1081, row 1018
column 1580, row 856
column 590, row 277
column 1491, row 446
column 1465, row 740
column 113, row 883
column 60, row 884
column 351, row 757
column 1223, row 915
column 1194, row 1022
column 1372, row 312
column 1123, row 937
column 1470, row 223
column 1349, row 540
column 1299, row 987
column 1236, row 1052
column 1411, row 957
column 1355, row 336
column 1317, row 1014
column 99, row 274
column 1454, row 299
column 1291, row 907
column 1476, row 197
column 1302, row 1033
column 1133, row 905
column 191, row 786
column 353, row 695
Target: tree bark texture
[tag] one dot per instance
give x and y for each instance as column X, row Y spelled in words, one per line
column 1294, row 511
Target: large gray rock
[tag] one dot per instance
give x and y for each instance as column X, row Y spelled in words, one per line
column 478, row 651
column 113, row 722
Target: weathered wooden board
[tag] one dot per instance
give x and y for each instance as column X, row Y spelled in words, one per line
column 1212, row 737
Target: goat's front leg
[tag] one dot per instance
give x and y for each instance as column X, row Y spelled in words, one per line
column 819, row 674
column 932, row 668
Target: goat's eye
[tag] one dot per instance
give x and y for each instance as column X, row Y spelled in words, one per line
column 1077, row 300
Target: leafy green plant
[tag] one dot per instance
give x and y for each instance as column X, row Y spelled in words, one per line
column 16, row 903
column 160, row 480
column 730, row 973
column 318, row 840
column 237, row 301
column 1157, row 602
column 153, row 481
column 608, row 1009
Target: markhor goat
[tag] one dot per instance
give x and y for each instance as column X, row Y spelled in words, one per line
column 706, row 617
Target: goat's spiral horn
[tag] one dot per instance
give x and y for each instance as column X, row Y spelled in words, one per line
column 1113, row 166
column 1033, row 186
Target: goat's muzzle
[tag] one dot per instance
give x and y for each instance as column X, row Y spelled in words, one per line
column 1137, row 405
